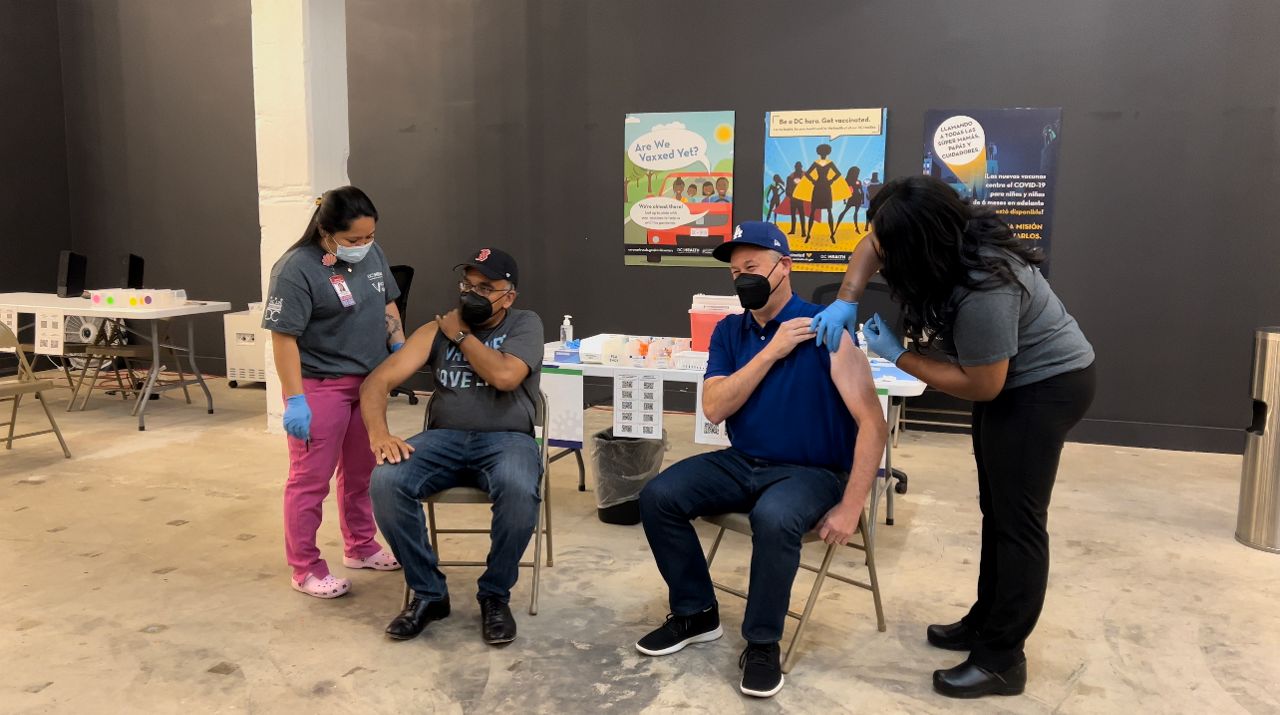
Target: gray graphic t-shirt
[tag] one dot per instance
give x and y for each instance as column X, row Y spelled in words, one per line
column 333, row 340
column 464, row 401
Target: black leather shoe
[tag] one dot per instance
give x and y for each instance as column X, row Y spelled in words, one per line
column 415, row 617
column 956, row 636
column 497, row 625
column 970, row 681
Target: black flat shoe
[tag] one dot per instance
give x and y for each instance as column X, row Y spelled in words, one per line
column 497, row 625
column 956, row 636
column 415, row 617
column 970, row 681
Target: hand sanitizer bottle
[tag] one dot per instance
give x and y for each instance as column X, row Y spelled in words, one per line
column 566, row 331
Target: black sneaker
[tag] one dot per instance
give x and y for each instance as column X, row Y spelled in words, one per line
column 680, row 631
column 761, row 670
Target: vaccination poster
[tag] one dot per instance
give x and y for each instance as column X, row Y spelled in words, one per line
column 1006, row 159
column 677, row 187
column 821, row 168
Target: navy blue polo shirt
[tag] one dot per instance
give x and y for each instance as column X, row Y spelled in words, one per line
column 796, row 414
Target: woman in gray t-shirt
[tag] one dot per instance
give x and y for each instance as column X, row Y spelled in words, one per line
column 333, row 319
column 988, row 328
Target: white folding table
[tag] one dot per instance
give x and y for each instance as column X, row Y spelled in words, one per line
column 45, row 303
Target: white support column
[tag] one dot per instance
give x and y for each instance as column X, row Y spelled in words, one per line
column 300, row 107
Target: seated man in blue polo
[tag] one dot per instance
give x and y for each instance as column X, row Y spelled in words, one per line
column 807, row 433
column 486, row 357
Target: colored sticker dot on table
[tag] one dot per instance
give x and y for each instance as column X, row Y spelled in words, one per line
column 133, row 301
column 147, row 300
column 97, row 299
column 111, row 300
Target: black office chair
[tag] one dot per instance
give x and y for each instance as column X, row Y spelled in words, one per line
column 403, row 276
column 876, row 299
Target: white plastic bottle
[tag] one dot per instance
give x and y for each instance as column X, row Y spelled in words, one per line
column 566, row 331
column 862, row 340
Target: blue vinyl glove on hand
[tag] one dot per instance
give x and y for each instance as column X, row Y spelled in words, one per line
column 881, row 340
column 297, row 417
column 396, row 346
column 834, row 320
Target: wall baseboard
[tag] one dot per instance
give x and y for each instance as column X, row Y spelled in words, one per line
column 1181, row 438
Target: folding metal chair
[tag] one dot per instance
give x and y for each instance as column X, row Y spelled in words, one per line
column 25, row 384
column 111, row 348
column 741, row 523
column 473, row 495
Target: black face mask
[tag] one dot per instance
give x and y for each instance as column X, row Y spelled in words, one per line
column 753, row 290
column 473, row 309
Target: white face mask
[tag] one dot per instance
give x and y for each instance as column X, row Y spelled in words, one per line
column 353, row 254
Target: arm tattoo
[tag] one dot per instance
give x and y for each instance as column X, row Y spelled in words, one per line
column 393, row 325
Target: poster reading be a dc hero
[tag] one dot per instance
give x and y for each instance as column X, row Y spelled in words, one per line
column 821, row 169
column 677, row 187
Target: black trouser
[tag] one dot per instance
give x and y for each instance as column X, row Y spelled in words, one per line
column 1017, row 439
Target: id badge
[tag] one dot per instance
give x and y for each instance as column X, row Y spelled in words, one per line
column 344, row 293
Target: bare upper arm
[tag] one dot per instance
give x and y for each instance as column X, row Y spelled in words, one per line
column 851, row 373
column 401, row 365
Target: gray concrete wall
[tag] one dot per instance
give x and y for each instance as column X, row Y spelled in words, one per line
column 500, row 122
column 160, row 147
column 33, row 147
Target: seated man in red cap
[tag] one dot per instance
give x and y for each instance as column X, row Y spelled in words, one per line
column 485, row 357
column 807, row 433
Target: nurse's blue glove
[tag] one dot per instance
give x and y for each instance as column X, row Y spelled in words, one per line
column 833, row 321
column 881, row 340
column 396, row 346
column 297, row 417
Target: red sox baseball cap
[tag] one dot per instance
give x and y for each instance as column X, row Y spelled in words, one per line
column 494, row 264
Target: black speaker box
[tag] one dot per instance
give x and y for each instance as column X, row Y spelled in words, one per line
column 133, row 277
column 71, row 268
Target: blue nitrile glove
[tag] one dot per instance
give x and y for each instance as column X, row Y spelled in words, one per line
column 297, row 417
column 833, row 321
column 396, row 346
column 881, row 339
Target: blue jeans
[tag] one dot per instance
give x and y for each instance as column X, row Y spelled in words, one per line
column 505, row 464
column 784, row 501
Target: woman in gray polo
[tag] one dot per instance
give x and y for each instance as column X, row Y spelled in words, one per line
column 986, row 327
column 332, row 315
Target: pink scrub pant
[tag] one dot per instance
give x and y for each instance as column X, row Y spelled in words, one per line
column 338, row 441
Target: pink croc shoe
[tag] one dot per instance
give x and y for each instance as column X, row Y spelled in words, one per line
column 381, row 561
column 327, row 587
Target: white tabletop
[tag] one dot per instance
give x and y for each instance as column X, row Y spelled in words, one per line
column 51, row 303
column 887, row 377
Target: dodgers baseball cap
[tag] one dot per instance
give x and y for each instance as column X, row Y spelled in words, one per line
column 494, row 264
column 753, row 233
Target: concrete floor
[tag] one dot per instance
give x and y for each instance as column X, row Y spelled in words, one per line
column 147, row 575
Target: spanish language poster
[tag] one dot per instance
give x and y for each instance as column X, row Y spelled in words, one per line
column 821, row 168
column 677, row 187
column 1002, row 158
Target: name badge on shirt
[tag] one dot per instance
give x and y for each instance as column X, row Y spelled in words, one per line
column 344, row 293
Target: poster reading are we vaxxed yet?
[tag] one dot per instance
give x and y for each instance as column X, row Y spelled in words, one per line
column 821, row 168
column 1006, row 159
column 677, row 187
